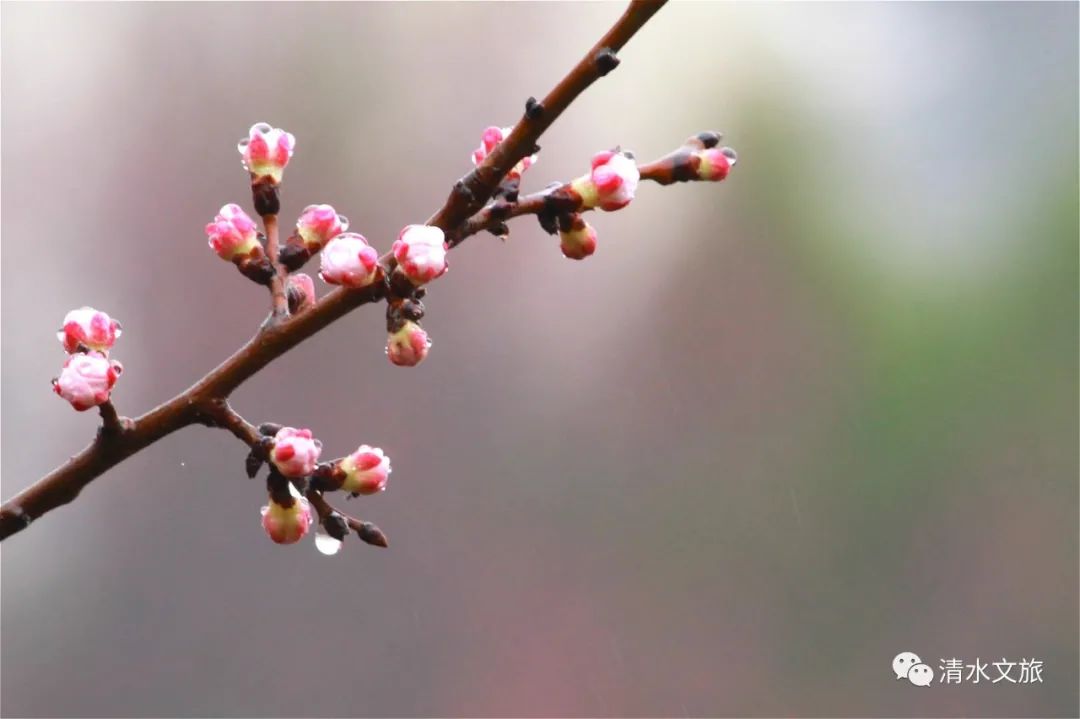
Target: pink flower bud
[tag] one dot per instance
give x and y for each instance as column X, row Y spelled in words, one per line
column 90, row 328
column 318, row 224
column 287, row 525
column 408, row 346
column 232, row 233
column 86, row 380
column 715, row 163
column 295, row 453
column 492, row 137
column 579, row 241
column 349, row 260
column 366, row 470
column 420, row 251
column 266, row 150
column 611, row 184
column 300, row 291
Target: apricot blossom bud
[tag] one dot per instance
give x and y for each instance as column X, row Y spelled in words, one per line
column 88, row 328
column 87, row 379
column 715, row 163
column 577, row 238
column 300, row 291
column 611, row 184
column 366, row 470
column 266, row 151
column 420, row 251
column 408, row 346
column 489, row 140
column 295, row 452
column 232, row 233
column 318, row 224
column 287, row 525
column 349, row 260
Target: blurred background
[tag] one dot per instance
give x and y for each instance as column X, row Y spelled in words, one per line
column 772, row 433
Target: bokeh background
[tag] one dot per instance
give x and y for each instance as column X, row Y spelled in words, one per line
column 774, row 432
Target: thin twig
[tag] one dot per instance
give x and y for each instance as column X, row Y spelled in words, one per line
column 365, row 530
column 663, row 171
column 279, row 300
column 111, row 422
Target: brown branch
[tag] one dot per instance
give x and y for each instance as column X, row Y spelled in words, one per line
column 470, row 194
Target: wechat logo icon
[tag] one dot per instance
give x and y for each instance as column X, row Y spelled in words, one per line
column 907, row 665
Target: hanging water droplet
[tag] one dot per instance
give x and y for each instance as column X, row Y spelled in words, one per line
column 730, row 154
column 325, row 543
column 344, row 222
column 261, row 127
column 60, row 335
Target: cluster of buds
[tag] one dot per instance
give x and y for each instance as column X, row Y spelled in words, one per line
column 293, row 456
column 88, row 375
column 297, row 480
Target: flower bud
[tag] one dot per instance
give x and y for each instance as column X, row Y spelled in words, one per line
column 287, row 525
column 318, row 224
column 300, row 291
column 420, row 251
column 408, row 346
column 349, row 260
column 87, row 379
column 577, row 238
column 265, row 151
column 366, row 470
column 89, row 328
column 295, row 452
column 715, row 163
column 493, row 136
column 232, row 233
column 611, row 184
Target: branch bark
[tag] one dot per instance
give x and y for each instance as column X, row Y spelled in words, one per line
column 275, row 338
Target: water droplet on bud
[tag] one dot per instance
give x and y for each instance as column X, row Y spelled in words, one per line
column 325, row 543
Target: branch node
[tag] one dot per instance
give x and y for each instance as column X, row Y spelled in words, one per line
column 533, row 109
column 606, row 61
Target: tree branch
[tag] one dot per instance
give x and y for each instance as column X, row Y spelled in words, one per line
column 469, row 195
column 677, row 166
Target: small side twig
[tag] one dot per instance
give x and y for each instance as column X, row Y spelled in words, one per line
column 367, row 531
column 112, row 423
column 279, row 300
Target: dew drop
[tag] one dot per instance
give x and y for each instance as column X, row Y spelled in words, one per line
column 261, row 127
column 325, row 543
column 730, row 154
column 60, row 335
column 344, row 222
